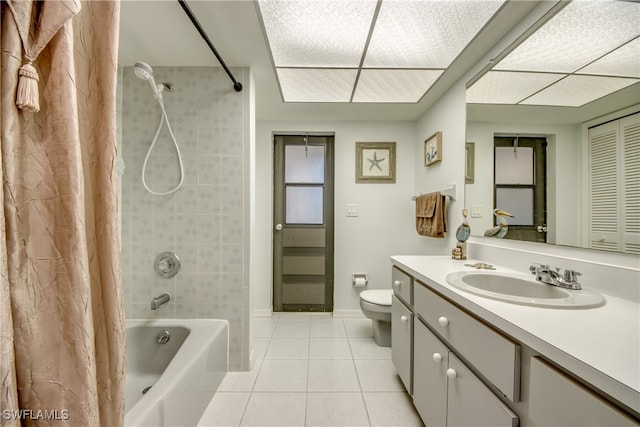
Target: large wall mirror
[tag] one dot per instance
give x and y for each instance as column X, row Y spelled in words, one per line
column 545, row 88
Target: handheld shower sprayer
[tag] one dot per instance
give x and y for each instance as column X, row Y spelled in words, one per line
column 145, row 72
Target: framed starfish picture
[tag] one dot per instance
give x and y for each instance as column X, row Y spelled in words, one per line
column 375, row 162
column 433, row 149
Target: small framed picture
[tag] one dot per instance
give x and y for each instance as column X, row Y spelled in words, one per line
column 469, row 162
column 433, row 149
column 375, row 162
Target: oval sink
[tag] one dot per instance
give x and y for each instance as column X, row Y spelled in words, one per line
column 519, row 288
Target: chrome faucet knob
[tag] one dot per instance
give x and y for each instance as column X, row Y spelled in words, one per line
column 534, row 268
column 570, row 276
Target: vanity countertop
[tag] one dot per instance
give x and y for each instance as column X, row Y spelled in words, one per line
column 600, row 345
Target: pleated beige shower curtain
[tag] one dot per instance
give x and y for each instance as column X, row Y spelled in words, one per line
column 61, row 317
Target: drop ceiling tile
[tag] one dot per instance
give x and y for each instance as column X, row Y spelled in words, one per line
column 425, row 34
column 400, row 86
column 624, row 61
column 316, row 85
column 579, row 34
column 507, row 87
column 317, row 33
column 576, row 90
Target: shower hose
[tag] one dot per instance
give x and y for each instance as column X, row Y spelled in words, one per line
column 163, row 118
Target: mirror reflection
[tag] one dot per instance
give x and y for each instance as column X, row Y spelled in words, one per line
column 543, row 173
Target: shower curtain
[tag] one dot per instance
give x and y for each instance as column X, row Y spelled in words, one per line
column 61, row 308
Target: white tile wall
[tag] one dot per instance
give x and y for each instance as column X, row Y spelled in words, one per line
column 205, row 222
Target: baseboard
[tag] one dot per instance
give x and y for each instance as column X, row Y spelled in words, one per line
column 262, row 313
column 265, row 312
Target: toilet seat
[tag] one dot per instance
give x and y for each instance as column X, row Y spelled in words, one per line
column 377, row 296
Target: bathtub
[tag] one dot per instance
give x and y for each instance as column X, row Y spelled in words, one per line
column 171, row 384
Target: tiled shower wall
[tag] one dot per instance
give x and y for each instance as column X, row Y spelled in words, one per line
column 206, row 222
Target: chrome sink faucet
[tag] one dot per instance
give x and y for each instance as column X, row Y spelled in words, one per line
column 546, row 275
column 156, row 302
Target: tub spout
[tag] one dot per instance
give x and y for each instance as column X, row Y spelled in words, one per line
column 156, row 302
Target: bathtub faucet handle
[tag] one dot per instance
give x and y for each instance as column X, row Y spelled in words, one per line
column 156, row 302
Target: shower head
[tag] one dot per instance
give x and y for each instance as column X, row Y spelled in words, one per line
column 145, row 72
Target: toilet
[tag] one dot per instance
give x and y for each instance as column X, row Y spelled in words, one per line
column 376, row 305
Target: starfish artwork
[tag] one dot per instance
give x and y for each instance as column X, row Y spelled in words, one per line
column 375, row 162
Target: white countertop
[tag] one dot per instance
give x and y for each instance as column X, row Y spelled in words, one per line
column 600, row 345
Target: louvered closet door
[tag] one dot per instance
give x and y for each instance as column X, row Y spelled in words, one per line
column 604, row 197
column 614, row 183
column 630, row 130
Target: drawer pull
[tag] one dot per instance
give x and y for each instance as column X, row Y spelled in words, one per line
column 437, row 357
column 404, row 319
column 443, row 321
column 452, row 374
column 396, row 283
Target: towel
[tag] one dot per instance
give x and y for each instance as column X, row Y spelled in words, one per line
column 431, row 219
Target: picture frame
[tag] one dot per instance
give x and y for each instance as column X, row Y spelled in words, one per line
column 469, row 162
column 433, row 149
column 376, row 162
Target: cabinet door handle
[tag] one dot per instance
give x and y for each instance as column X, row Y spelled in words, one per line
column 443, row 321
column 437, row 357
column 404, row 319
column 451, row 373
column 396, row 283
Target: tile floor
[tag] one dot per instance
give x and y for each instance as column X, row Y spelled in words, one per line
column 313, row 370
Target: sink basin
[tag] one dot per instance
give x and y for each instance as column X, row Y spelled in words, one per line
column 523, row 289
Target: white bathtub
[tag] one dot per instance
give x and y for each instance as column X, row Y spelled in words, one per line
column 184, row 373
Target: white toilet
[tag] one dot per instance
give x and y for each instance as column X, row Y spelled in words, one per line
column 376, row 305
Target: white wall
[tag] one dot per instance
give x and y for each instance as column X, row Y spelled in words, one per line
column 385, row 225
column 563, row 169
column 447, row 115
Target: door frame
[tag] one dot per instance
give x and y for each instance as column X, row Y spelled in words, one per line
column 328, row 215
column 539, row 145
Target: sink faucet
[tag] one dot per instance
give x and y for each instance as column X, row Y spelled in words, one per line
column 553, row 277
column 156, row 302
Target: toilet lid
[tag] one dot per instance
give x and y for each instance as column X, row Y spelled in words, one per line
column 377, row 296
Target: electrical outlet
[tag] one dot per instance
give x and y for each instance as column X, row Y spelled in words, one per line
column 476, row 211
column 351, row 210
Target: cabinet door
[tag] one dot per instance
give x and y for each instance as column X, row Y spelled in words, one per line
column 556, row 399
column 429, row 376
column 471, row 403
column 401, row 345
column 490, row 352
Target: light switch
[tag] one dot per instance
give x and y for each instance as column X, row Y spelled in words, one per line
column 351, row 210
column 476, row 211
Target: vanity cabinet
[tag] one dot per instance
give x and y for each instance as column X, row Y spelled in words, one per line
column 556, row 399
column 461, row 370
column 447, row 393
column 402, row 326
column 493, row 354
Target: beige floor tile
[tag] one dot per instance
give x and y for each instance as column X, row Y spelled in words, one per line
column 391, row 409
column 329, row 348
column 275, row 409
column 336, row 409
column 332, row 375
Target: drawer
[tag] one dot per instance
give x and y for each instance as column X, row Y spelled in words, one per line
column 493, row 354
column 402, row 285
column 556, row 399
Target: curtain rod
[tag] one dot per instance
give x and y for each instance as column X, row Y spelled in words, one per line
column 236, row 85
